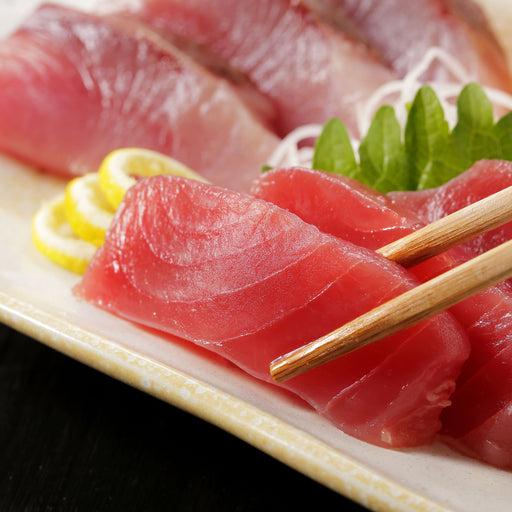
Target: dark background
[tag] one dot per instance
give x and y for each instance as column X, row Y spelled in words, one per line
column 74, row 439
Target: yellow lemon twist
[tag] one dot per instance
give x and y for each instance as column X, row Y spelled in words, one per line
column 53, row 237
column 87, row 210
column 69, row 229
column 118, row 171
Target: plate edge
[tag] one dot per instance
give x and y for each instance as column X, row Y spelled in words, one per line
column 258, row 428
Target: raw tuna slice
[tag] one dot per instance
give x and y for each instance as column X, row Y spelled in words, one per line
column 309, row 71
column 337, row 205
column 478, row 421
column 483, row 179
column 73, row 87
column 401, row 31
column 251, row 281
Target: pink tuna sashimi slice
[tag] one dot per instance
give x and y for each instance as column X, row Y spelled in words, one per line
column 328, row 201
column 483, row 400
column 483, row 179
column 251, row 281
column 472, row 422
column 400, row 32
column 309, row 71
column 74, row 87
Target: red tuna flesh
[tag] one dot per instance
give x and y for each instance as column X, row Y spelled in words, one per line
column 74, row 87
column 483, row 179
column 310, row 71
column 328, row 201
column 250, row 281
column 401, row 31
column 478, row 422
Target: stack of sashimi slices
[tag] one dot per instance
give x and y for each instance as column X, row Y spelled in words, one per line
column 254, row 277
column 212, row 83
column 252, row 273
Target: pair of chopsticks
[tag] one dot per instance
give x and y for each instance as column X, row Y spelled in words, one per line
column 425, row 300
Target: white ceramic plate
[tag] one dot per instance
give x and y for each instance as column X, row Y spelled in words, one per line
column 36, row 298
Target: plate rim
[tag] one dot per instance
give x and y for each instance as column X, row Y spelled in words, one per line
column 273, row 436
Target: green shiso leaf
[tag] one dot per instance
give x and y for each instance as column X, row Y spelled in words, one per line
column 426, row 135
column 503, row 133
column 333, row 150
column 383, row 162
column 474, row 133
column 429, row 154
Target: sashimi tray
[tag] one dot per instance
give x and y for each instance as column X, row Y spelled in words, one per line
column 36, row 299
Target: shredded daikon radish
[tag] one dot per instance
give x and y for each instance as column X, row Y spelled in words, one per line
column 398, row 93
column 289, row 153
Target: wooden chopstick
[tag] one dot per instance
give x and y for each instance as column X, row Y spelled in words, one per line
column 425, row 300
column 411, row 307
column 450, row 231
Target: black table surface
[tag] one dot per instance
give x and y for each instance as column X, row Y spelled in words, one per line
column 72, row 438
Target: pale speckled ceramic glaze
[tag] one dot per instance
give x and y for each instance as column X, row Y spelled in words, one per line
column 36, row 298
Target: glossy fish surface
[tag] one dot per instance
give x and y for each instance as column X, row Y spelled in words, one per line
column 75, row 86
column 478, row 420
column 310, row 71
column 250, row 281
